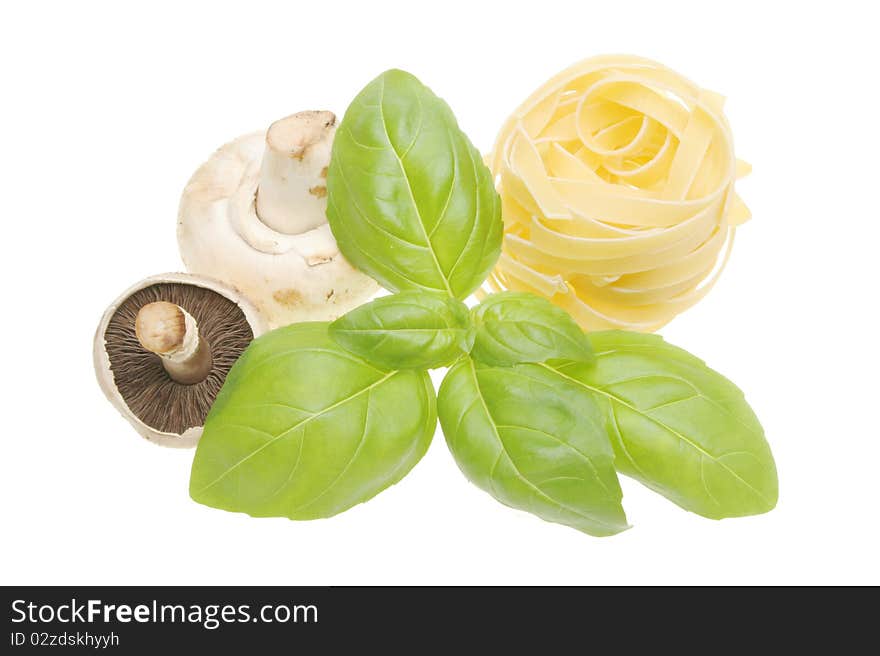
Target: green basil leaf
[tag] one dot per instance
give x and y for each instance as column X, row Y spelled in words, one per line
column 679, row 427
column 409, row 330
column 304, row 429
column 516, row 327
column 534, row 442
column 410, row 201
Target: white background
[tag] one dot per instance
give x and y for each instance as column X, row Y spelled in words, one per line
column 108, row 109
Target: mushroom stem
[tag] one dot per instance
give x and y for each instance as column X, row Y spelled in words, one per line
column 171, row 332
column 291, row 197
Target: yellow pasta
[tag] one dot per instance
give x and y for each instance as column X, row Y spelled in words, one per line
column 617, row 186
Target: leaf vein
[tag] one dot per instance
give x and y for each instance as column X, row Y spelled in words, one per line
column 297, row 425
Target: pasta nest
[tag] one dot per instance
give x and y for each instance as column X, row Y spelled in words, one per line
column 617, row 185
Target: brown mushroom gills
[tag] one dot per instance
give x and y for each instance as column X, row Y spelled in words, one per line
column 148, row 389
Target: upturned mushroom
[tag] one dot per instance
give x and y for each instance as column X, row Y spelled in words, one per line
column 163, row 348
column 254, row 216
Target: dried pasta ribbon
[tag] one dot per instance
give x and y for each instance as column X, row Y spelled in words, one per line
column 617, row 186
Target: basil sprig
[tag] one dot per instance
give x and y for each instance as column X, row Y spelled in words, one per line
column 315, row 418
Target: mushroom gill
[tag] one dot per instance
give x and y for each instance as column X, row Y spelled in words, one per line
column 151, row 394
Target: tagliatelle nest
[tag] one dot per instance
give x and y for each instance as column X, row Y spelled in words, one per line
column 617, row 186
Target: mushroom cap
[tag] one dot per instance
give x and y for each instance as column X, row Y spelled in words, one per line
column 103, row 359
column 289, row 278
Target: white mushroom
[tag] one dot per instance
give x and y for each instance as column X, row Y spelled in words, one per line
column 163, row 348
column 254, row 216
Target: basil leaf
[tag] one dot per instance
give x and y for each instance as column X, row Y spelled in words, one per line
column 679, row 427
column 409, row 330
column 534, row 442
column 516, row 327
column 410, row 201
column 303, row 429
